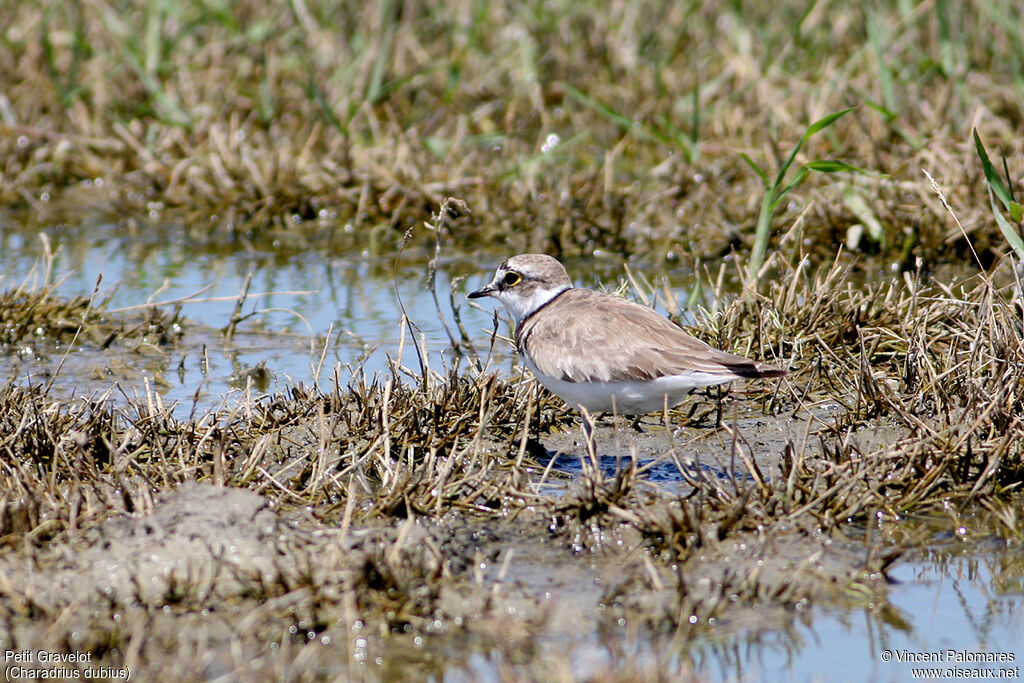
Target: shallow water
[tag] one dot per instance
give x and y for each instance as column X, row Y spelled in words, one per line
column 305, row 294
column 297, row 300
column 951, row 606
column 301, row 294
column 955, row 599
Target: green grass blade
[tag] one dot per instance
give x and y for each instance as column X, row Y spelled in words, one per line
column 779, row 195
column 49, row 56
column 152, row 40
column 819, row 165
column 815, row 127
column 1009, row 231
column 615, row 117
column 317, row 95
column 991, row 174
column 947, row 49
column 757, row 169
column 885, row 79
column 695, row 121
column 665, row 133
column 832, row 166
column 777, row 191
column 881, row 109
column 997, row 188
column 781, row 177
column 826, row 121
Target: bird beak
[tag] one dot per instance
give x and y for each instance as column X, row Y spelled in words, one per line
column 483, row 291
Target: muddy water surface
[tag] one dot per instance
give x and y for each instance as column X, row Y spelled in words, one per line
column 312, row 309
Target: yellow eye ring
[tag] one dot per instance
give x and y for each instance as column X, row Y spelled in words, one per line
column 512, row 279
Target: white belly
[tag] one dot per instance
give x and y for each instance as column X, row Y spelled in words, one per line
column 630, row 397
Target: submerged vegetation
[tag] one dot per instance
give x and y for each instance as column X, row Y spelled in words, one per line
column 331, row 530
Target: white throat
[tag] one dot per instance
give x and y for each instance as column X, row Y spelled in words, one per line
column 520, row 306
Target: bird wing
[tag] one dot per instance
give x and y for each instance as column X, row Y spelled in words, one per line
column 588, row 336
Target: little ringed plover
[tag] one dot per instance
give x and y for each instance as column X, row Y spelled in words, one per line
column 603, row 352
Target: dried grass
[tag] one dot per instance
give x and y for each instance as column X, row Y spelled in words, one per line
column 399, row 470
column 567, row 128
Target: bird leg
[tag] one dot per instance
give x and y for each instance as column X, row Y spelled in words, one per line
column 721, row 391
column 588, row 439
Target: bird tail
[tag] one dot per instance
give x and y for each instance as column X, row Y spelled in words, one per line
column 755, row 370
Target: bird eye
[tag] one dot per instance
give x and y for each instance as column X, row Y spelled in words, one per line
column 512, row 279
